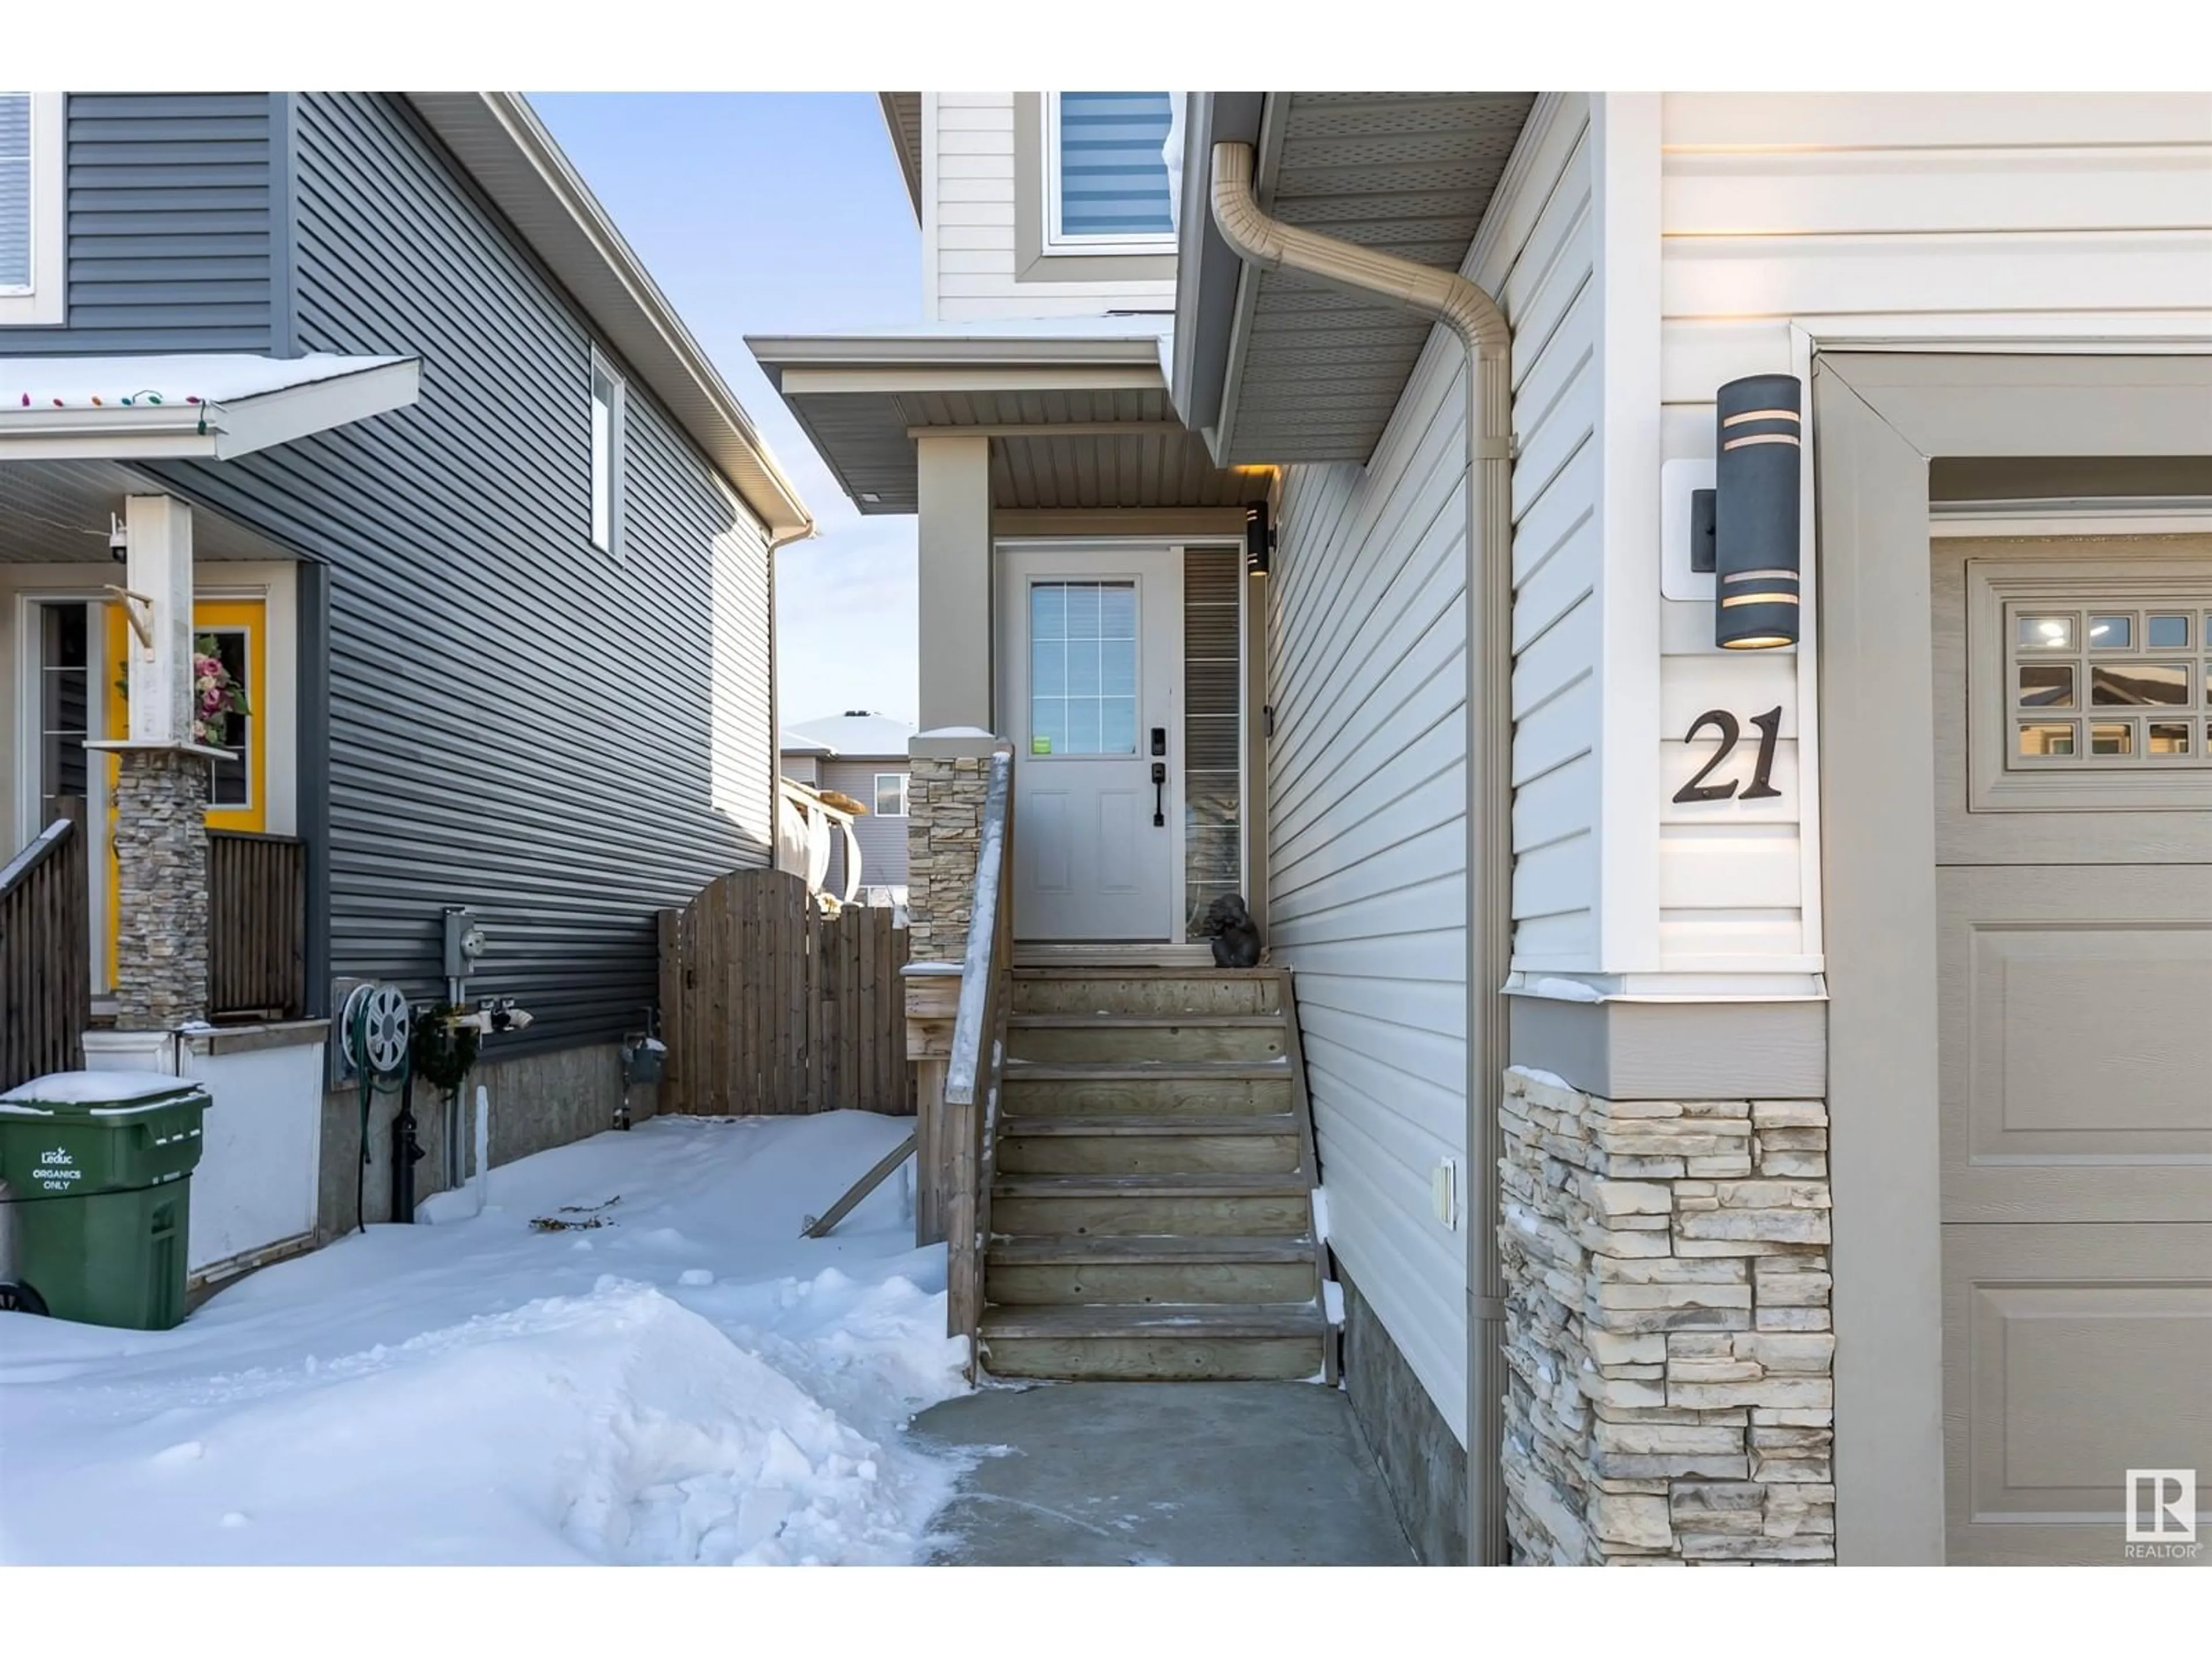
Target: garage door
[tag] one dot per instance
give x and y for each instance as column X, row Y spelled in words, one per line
column 2073, row 752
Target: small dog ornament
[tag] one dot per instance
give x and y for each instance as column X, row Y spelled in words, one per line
column 1236, row 936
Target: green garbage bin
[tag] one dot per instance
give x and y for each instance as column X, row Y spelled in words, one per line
column 95, row 1193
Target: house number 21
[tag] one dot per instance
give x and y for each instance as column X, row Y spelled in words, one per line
column 1719, row 719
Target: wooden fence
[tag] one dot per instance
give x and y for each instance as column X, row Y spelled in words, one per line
column 769, row 1008
column 257, row 925
column 46, row 952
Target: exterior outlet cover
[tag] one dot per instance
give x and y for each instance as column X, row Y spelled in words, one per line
column 1444, row 1190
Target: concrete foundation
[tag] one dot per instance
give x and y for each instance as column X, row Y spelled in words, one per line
column 1161, row 1474
column 537, row 1101
column 1423, row 1465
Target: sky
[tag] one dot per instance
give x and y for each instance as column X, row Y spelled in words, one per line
column 779, row 213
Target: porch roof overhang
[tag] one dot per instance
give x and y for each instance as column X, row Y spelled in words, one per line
column 1269, row 366
column 188, row 406
column 1079, row 417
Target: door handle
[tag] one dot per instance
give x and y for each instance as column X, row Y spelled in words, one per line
column 1159, row 794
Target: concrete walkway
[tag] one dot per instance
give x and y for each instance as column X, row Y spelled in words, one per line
column 1161, row 1474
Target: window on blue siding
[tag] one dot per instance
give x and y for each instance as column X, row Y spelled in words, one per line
column 890, row 795
column 14, row 192
column 1108, row 171
column 606, row 458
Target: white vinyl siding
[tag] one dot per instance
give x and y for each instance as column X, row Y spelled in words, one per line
column 2046, row 214
column 970, row 266
column 1366, row 774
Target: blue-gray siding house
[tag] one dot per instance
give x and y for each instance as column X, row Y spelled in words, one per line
column 514, row 645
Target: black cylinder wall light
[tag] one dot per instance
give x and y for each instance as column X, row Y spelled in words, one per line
column 1756, row 479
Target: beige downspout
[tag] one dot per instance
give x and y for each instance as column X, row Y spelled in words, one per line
column 1481, row 326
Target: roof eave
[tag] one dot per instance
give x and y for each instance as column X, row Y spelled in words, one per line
column 896, row 121
column 1210, row 273
column 548, row 203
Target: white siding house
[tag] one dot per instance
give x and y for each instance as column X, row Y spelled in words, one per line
column 1366, row 775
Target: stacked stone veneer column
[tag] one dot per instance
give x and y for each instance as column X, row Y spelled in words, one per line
column 162, row 855
column 944, row 818
column 1671, row 1397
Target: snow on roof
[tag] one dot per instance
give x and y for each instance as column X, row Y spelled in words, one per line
column 35, row 383
column 792, row 743
column 857, row 731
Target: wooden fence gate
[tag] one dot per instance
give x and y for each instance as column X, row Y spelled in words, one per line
column 767, row 1006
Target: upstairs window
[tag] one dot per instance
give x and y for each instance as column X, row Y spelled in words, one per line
column 890, row 795
column 30, row 207
column 1106, row 172
column 606, row 458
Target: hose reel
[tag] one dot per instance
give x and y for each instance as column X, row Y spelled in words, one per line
column 376, row 1030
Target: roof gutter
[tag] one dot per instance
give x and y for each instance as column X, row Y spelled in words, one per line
column 1481, row 328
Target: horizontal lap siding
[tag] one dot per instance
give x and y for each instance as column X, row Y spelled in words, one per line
column 519, row 722
column 170, row 246
column 1977, row 209
column 1366, row 772
column 971, row 218
column 883, row 840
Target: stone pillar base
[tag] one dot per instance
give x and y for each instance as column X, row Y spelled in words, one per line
column 1670, row 1397
column 945, row 797
column 161, row 852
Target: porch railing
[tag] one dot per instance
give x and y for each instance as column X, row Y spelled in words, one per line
column 45, row 951
column 977, row 1061
column 257, row 925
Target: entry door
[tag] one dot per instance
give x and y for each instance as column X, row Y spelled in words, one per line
column 1089, row 690
column 235, row 631
column 2074, row 841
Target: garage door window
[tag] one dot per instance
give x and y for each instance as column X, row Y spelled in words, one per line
column 2099, row 687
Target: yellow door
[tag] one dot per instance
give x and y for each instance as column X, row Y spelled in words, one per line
column 240, row 795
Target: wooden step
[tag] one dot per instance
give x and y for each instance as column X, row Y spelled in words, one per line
column 1147, row 991
column 1220, row 1340
column 1209, row 1088
column 1159, row 1205
column 1061, row 1271
column 1168, row 1039
column 1138, row 1143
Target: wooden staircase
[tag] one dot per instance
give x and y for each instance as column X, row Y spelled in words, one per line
column 1151, row 1211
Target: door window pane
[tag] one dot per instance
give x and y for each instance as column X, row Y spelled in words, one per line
column 1082, row 668
column 2046, row 740
column 2112, row 633
column 2167, row 633
column 233, row 786
column 64, row 705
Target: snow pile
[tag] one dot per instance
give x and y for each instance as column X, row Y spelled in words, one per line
column 660, row 1371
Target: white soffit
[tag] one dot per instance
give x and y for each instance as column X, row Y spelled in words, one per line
column 186, row 406
column 1079, row 419
column 1313, row 374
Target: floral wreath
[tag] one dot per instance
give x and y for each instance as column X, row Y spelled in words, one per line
column 216, row 694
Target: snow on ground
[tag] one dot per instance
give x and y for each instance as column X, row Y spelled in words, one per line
column 688, row 1382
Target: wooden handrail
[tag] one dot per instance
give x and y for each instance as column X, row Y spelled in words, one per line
column 977, row 1061
column 41, row 847
column 45, row 950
